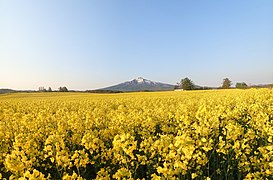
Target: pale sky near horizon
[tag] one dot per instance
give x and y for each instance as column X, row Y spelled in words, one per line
column 97, row 43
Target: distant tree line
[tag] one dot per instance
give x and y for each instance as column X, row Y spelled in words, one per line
column 187, row 84
column 63, row 89
column 42, row 89
column 60, row 89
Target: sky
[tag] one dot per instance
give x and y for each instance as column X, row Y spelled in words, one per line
column 97, row 43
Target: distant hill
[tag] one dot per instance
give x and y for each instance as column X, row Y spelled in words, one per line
column 262, row 86
column 3, row 91
column 140, row 84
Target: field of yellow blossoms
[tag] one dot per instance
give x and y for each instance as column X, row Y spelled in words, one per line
column 218, row 134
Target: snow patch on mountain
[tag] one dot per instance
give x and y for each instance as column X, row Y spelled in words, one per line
column 140, row 84
column 141, row 80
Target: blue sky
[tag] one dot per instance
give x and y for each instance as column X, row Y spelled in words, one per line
column 97, row 43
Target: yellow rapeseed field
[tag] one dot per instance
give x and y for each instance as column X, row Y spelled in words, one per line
column 217, row 134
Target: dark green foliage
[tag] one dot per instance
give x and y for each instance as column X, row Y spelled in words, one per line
column 42, row 89
column 63, row 89
column 226, row 83
column 187, row 84
column 242, row 85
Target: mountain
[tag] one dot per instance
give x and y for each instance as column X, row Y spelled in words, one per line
column 140, row 84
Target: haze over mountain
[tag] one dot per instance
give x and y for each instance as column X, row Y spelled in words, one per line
column 140, row 84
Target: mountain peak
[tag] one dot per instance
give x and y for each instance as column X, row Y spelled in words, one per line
column 140, row 84
column 140, row 80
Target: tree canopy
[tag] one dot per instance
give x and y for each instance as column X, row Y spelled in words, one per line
column 63, row 89
column 241, row 85
column 187, row 84
column 226, row 83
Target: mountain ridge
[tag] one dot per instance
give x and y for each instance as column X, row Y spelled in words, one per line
column 140, row 84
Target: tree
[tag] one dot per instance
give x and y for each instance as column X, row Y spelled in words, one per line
column 226, row 83
column 63, row 89
column 186, row 84
column 42, row 89
column 241, row 85
column 49, row 89
column 177, row 86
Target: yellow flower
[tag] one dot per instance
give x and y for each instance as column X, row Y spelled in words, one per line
column 193, row 175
